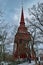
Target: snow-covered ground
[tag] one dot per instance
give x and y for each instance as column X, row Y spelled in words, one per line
column 27, row 63
column 5, row 63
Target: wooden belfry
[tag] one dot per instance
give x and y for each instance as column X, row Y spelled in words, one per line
column 21, row 41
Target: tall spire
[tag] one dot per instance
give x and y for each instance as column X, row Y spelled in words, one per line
column 22, row 16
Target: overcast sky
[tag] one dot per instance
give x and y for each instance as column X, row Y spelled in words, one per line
column 12, row 9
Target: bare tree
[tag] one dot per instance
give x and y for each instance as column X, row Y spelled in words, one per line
column 35, row 24
column 36, row 21
column 3, row 33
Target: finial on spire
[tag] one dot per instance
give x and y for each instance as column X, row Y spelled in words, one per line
column 22, row 3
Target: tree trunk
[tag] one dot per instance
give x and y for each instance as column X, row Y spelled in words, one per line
column 34, row 54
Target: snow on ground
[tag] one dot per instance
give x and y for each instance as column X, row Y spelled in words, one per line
column 27, row 63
